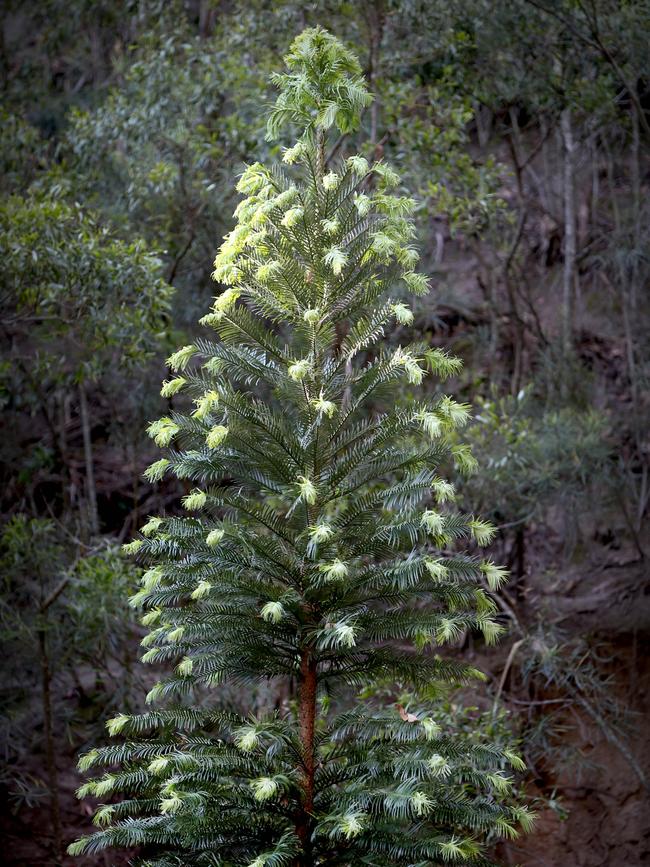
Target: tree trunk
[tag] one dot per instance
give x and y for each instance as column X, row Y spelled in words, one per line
column 306, row 721
column 91, row 491
column 321, row 161
column 52, row 775
column 568, row 281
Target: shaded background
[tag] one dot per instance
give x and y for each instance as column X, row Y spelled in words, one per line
column 524, row 129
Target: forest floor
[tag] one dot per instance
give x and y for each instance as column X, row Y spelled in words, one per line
column 604, row 815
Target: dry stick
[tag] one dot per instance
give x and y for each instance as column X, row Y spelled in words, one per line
column 513, row 652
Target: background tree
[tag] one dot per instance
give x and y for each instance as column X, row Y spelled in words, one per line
column 76, row 304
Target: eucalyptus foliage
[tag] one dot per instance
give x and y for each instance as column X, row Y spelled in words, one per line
column 322, row 550
column 77, row 296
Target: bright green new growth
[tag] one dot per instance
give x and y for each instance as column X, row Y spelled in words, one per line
column 320, row 551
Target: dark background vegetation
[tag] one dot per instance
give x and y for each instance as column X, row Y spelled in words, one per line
column 524, row 129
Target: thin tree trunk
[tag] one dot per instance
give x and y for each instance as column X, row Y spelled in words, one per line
column 307, row 721
column 375, row 19
column 629, row 278
column 634, row 285
column 568, row 281
column 46, row 698
column 52, row 774
column 62, row 424
column 91, row 491
column 135, row 511
column 518, row 161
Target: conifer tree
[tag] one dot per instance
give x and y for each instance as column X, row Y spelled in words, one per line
column 322, row 549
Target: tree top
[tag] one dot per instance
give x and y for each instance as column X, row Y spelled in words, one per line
column 324, row 86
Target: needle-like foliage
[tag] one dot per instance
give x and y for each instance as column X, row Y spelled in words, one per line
column 321, row 548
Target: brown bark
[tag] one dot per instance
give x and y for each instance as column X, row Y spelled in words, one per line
column 306, row 721
column 320, row 156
